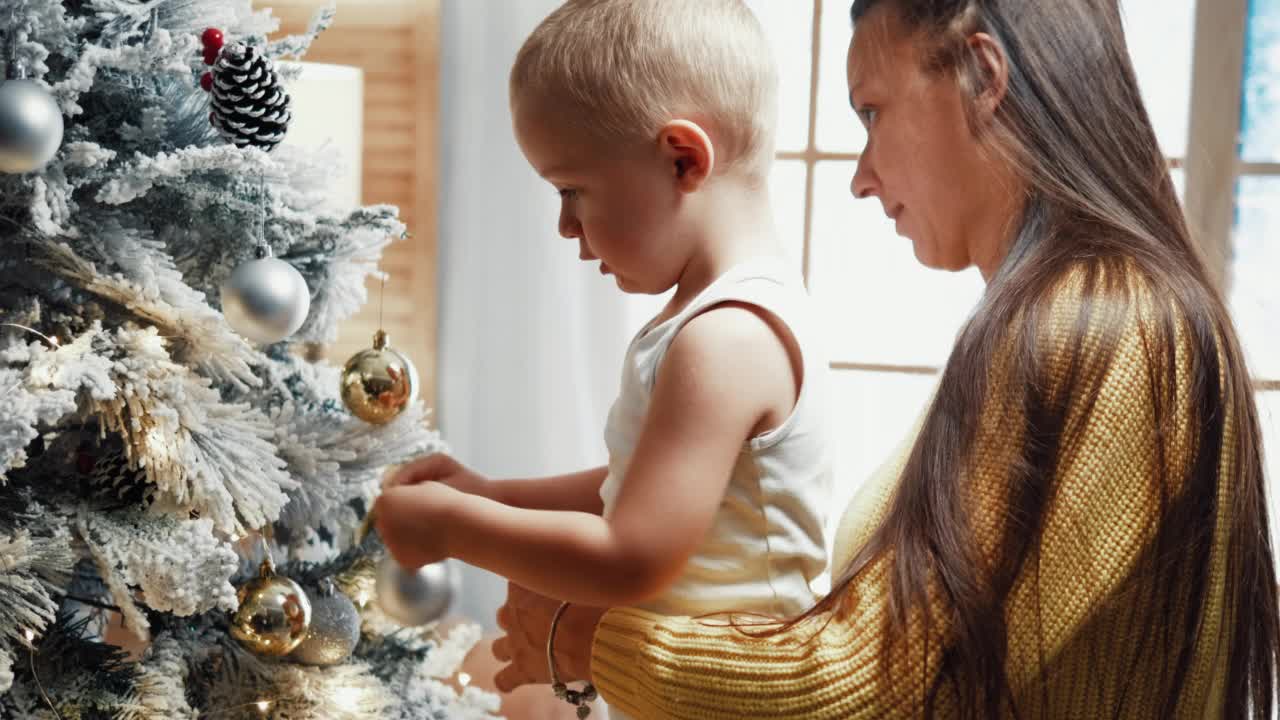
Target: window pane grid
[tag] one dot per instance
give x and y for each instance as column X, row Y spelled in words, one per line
column 1259, row 385
column 886, row 368
column 1259, row 139
column 1175, row 163
column 1255, row 255
column 815, row 44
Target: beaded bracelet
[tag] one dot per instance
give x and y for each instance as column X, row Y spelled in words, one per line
column 576, row 698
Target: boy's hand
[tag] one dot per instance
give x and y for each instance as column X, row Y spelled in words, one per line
column 440, row 468
column 411, row 520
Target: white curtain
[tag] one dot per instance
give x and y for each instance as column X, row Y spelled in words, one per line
column 531, row 339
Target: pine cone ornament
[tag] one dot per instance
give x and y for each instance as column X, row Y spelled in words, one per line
column 111, row 478
column 249, row 105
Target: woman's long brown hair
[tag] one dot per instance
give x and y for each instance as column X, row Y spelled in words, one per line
column 1100, row 202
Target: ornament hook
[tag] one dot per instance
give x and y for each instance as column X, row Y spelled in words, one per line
column 13, row 70
column 153, row 21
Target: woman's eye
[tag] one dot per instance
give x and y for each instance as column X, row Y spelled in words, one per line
column 868, row 115
column 567, row 193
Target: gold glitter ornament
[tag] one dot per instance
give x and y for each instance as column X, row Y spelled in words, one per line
column 274, row 614
column 379, row 383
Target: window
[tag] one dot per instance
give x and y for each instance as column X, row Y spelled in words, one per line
column 893, row 322
column 1253, row 277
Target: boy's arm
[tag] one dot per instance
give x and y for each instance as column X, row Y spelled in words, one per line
column 578, row 491
column 706, row 401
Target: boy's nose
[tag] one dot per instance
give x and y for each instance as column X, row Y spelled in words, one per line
column 569, row 226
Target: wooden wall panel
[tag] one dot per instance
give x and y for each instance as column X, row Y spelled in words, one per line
column 396, row 44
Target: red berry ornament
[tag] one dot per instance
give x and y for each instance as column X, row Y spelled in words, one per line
column 206, row 81
column 211, row 55
column 212, row 38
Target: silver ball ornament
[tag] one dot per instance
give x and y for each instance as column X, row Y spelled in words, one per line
column 266, row 300
column 30, row 126
column 415, row 597
column 335, row 630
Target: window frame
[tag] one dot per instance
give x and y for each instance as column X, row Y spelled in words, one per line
column 1217, row 76
column 1217, row 105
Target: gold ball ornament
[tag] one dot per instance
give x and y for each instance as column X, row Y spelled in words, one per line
column 379, row 383
column 274, row 614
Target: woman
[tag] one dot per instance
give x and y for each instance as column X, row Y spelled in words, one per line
column 1079, row 528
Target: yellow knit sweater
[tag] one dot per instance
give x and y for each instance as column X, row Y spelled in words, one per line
column 1083, row 626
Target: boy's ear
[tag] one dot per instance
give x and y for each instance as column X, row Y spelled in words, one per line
column 688, row 151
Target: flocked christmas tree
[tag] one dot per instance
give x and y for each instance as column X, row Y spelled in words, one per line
column 162, row 469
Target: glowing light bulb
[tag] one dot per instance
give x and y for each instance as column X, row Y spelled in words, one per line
column 362, row 598
column 464, row 679
column 347, row 698
column 29, row 634
column 263, row 706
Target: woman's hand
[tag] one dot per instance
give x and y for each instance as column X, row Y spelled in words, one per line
column 441, row 468
column 526, row 619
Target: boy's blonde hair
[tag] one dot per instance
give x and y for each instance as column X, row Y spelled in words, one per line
column 625, row 68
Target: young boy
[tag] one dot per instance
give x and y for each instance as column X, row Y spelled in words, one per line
column 654, row 121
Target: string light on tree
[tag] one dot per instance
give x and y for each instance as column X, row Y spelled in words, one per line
column 50, row 340
column 347, row 698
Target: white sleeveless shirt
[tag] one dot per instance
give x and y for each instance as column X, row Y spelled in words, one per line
column 766, row 544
